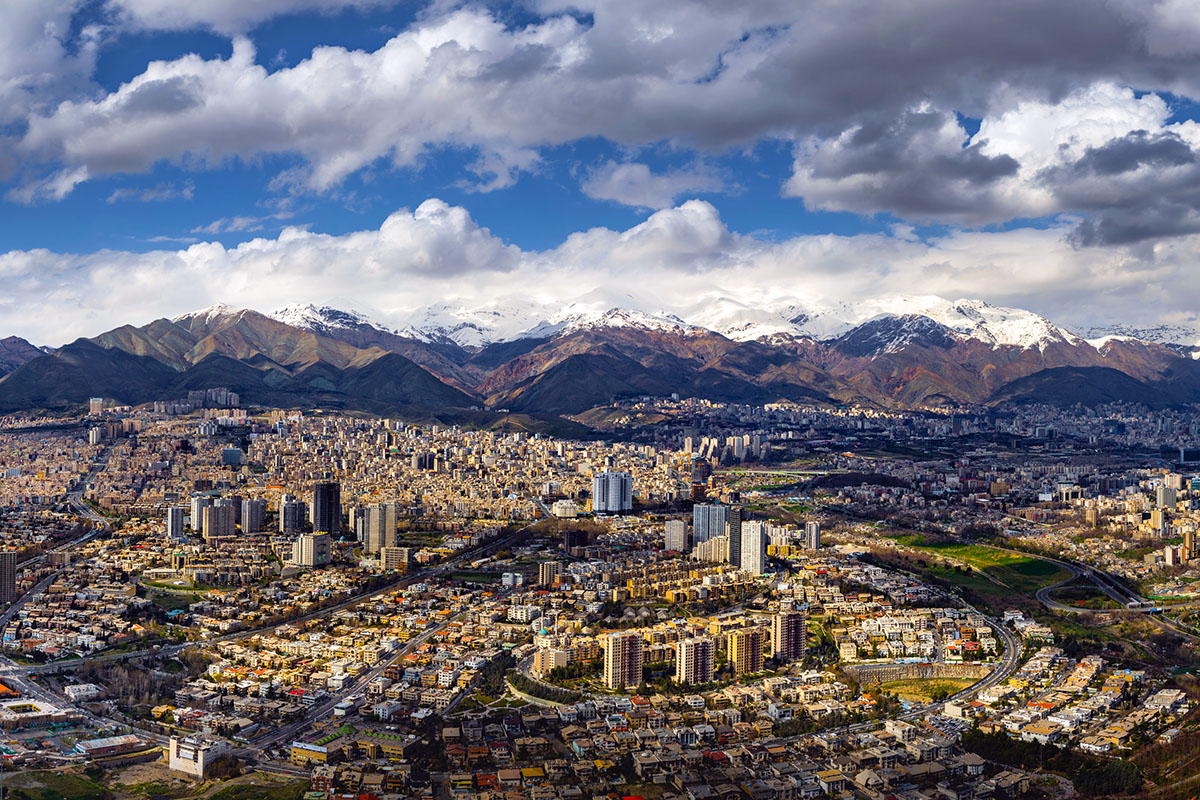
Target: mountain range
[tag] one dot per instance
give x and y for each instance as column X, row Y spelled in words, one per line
column 545, row 359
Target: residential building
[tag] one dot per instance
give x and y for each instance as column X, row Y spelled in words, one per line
column 708, row 522
column 8, row 576
column 753, row 550
column 175, row 518
column 623, row 659
column 746, row 650
column 788, row 634
column 612, row 493
column 311, row 550
column 548, row 572
column 735, row 536
column 694, row 660
column 218, row 521
column 675, row 536
column 292, row 514
column 253, row 513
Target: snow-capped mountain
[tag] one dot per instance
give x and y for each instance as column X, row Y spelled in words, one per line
column 906, row 352
column 974, row 319
column 1180, row 336
column 474, row 327
column 325, row 318
column 209, row 315
column 513, row 320
column 744, row 322
column 908, row 319
column 892, row 322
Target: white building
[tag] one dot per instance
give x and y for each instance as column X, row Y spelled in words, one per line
column 564, row 509
column 675, row 536
column 754, row 548
column 195, row 755
column 612, row 493
column 311, row 550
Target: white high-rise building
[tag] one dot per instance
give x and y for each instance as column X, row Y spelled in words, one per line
column 675, row 536
column 715, row 550
column 1166, row 497
column 311, row 550
column 812, row 535
column 612, row 493
column 175, row 524
column 199, row 503
column 694, row 660
column 754, row 548
column 380, row 527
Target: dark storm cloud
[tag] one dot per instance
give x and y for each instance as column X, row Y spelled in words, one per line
column 1136, row 150
column 876, row 149
column 914, row 166
column 1135, row 188
column 1158, row 220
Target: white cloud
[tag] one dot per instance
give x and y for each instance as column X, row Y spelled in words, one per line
column 678, row 256
column 154, row 194
column 1099, row 150
column 698, row 74
column 240, row 224
column 634, row 184
column 55, row 186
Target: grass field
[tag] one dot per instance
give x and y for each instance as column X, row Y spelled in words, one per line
column 173, row 602
column 478, row 577
column 993, row 568
column 284, row 791
column 51, row 785
column 1084, row 597
column 925, row 690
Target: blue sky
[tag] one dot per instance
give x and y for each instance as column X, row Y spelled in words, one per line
column 828, row 154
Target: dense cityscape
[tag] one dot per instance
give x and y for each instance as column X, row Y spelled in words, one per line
column 772, row 601
column 599, row 400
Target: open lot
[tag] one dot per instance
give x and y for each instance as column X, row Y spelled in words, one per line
column 925, row 690
column 52, row 785
column 1016, row 572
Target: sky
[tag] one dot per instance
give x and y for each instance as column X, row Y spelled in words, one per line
column 159, row 156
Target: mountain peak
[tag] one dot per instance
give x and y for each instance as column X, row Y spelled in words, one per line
column 319, row 319
column 208, row 315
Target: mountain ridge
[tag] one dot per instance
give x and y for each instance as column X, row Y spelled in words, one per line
column 895, row 353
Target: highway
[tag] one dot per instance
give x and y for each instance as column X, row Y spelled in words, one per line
column 1114, row 590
